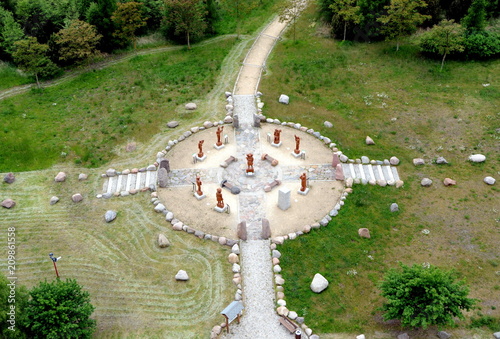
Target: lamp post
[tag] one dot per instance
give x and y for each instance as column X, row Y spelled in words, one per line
column 54, row 260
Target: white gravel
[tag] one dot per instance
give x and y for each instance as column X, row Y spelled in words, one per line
column 259, row 320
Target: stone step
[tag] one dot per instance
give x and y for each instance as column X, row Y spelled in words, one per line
column 121, row 183
column 366, row 173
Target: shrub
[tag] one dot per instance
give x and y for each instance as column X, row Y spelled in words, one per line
column 482, row 45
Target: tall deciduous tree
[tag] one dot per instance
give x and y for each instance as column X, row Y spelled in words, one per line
column 347, row 11
column 444, row 38
column 128, row 19
column 475, row 20
column 290, row 12
column 60, row 309
column 10, row 32
column 187, row 17
column 402, row 18
column 77, row 42
column 31, row 56
column 421, row 297
column 99, row 14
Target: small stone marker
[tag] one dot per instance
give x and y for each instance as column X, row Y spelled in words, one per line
column 82, row 176
column 490, row 180
column 266, row 229
column 110, row 216
column 441, row 161
column 181, row 276
column 236, row 121
column 172, row 124
column 77, row 197
column 191, row 106
column 162, row 177
column 449, row 182
column 54, row 200
column 328, row 124
column 394, row 161
column 477, row 158
column 9, row 178
column 394, row 207
column 284, row 99
column 284, row 196
column 364, row 233
column 319, row 283
column 335, row 160
column 60, row 177
column 8, row 203
column 242, row 230
column 369, row 141
column 418, row 161
column 426, row 182
column 443, row 335
column 165, row 164
column 339, row 173
column 163, row 241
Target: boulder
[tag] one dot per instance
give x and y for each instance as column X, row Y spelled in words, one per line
column 276, row 254
column 208, row 124
column 441, row 161
column 284, row 99
column 319, row 283
column 242, row 230
column 403, row 336
column 181, row 276
column 222, row 240
column 77, row 197
column 163, row 241
column 82, row 176
column 477, row 158
column 266, row 229
column 60, row 177
column 236, row 268
column 496, row 335
column 8, row 203
column 443, row 335
column 449, row 182
column 426, row 182
column 160, row 208
column 110, row 172
column 54, row 200
column 328, row 124
column 394, row 161
column 418, row 161
column 233, row 258
column 394, row 207
column 490, row 180
column 369, row 141
column 364, row 233
column 9, row 178
column 361, row 336
column 110, row 216
column 172, row 124
column 162, row 177
column 191, row 106
column 235, row 249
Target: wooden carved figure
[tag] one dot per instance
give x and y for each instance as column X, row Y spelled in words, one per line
column 218, row 133
column 250, row 162
column 303, row 182
column 297, row 145
column 276, row 136
column 200, row 148
column 220, row 201
column 198, row 184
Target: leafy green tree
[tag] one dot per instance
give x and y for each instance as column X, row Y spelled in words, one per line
column 475, row 20
column 402, row 19
column 41, row 18
column 60, row 309
column 77, row 42
column 444, row 38
column 370, row 10
column 422, row 297
column 10, row 32
column 31, row 56
column 128, row 19
column 290, row 12
column 347, row 11
column 99, row 14
column 186, row 17
column 13, row 304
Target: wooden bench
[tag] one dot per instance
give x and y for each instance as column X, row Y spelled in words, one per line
column 289, row 325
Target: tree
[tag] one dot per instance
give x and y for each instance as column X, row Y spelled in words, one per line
column 60, row 309
column 444, row 38
column 348, row 11
column 402, row 18
column 290, row 12
column 186, row 17
column 10, row 32
column 128, row 19
column 13, row 304
column 41, row 18
column 77, row 42
column 237, row 9
column 99, row 14
column 421, row 297
column 31, row 56
column 475, row 20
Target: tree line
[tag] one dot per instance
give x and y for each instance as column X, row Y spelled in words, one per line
column 458, row 26
column 41, row 36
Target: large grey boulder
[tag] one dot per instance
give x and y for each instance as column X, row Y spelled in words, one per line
column 172, row 124
column 284, row 99
column 77, row 197
column 319, row 283
column 54, row 200
column 490, row 180
column 426, row 182
column 8, row 203
column 191, row 106
column 110, row 216
column 394, row 207
column 60, row 177
column 163, row 241
column 443, row 335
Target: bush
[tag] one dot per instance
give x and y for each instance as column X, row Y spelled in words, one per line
column 482, row 45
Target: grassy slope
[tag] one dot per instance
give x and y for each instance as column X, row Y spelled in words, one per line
column 411, row 110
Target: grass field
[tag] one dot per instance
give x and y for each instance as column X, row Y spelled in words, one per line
column 411, row 110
